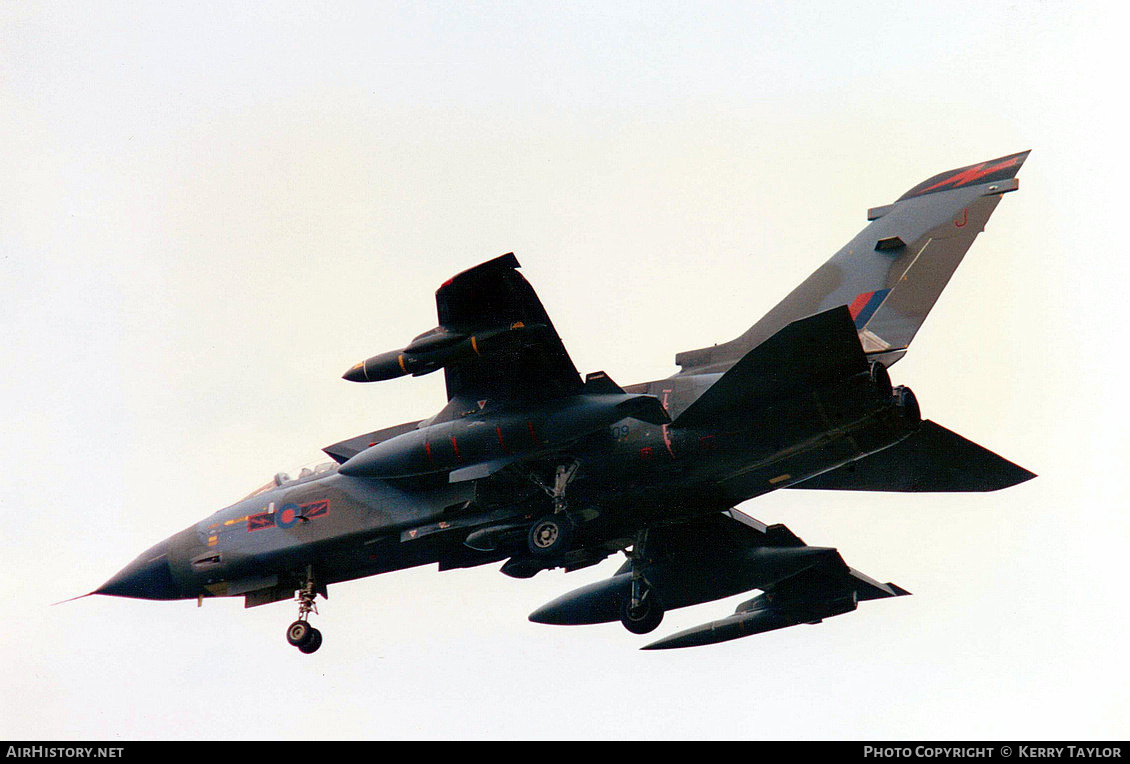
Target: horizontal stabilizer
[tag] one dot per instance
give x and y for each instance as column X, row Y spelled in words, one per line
column 931, row 460
column 867, row 588
column 816, row 350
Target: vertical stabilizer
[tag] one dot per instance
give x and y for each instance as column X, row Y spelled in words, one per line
column 891, row 274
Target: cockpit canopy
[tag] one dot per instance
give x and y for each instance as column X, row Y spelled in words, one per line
column 306, row 471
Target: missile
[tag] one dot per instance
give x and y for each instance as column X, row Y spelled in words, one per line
column 761, row 614
column 723, row 630
column 436, row 349
column 787, row 607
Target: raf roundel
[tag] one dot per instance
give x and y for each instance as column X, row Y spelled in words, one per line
column 287, row 515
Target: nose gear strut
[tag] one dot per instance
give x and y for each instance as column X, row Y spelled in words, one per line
column 300, row 633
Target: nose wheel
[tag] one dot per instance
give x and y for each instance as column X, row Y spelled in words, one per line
column 301, row 634
column 304, row 636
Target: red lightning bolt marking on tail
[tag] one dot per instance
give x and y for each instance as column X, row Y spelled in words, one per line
column 971, row 174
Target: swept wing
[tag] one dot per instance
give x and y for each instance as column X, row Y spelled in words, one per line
column 717, row 556
column 533, row 366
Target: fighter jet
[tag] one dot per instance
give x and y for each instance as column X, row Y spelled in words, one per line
column 530, row 465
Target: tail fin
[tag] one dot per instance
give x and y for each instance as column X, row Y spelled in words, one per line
column 891, row 273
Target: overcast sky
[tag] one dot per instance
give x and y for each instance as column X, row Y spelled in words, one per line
column 207, row 215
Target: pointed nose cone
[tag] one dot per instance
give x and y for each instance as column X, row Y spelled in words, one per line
column 356, row 374
column 147, row 578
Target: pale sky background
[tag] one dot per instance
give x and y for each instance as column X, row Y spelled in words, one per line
column 208, row 214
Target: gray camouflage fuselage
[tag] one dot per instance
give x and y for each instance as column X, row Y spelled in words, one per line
column 634, row 474
column 531, row 464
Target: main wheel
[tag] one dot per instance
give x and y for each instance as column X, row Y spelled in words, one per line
column 644, row 618
column 907, row 402
column 550, row 536
column 313, row 643
column 300, row 633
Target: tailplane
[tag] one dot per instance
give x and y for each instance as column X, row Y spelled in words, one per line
column 932, row 460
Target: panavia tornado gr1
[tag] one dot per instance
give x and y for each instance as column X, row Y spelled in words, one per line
column 531, row 464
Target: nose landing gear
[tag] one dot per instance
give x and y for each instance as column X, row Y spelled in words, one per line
column 301, row 634
column 304, row 636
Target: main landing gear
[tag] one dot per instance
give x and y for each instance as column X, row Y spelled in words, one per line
column 552, row 535
column 641, row 612
column 301, row 634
